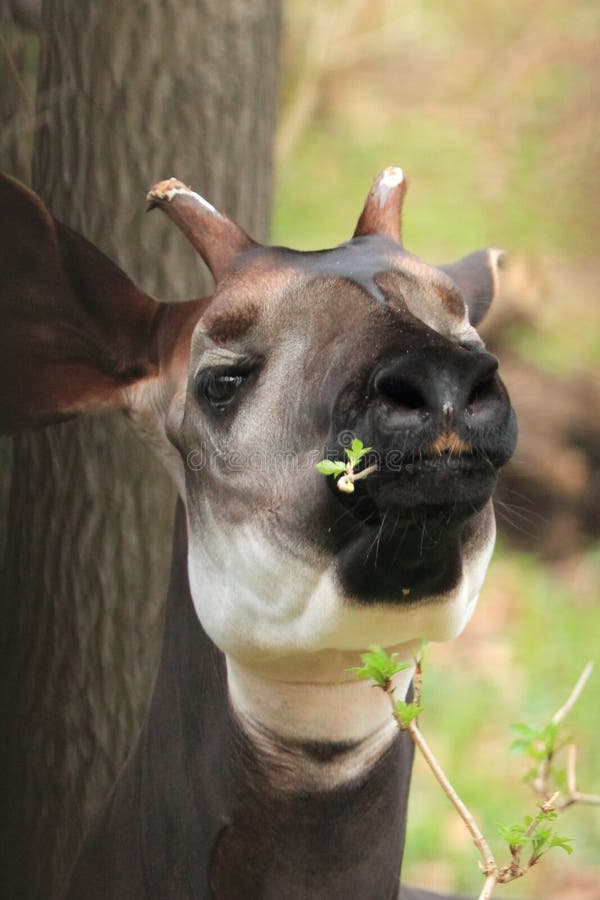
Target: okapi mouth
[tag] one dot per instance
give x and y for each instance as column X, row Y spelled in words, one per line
column 454, row 485
column 401, row 534
column 450, row 485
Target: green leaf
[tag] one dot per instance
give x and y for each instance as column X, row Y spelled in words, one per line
column 356, row 451
column 407, row 712
column 512, row 834
column 526, row 731
column 549, row 736
column 537, row 743
column 542, row 838
column 329, row 467
column 378, row 666
column 560, row 779
column 520, row 746
column 563, row 842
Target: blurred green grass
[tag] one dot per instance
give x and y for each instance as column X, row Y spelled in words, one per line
column 455, row 201
column 493, row 116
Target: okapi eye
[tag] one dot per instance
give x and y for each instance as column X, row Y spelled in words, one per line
column 219, row 388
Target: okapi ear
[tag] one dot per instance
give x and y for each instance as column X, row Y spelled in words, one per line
column 476, row 277
column 74, row 330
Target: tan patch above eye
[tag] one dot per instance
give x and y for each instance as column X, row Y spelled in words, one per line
column 448, row 441
column 233, row 323
column 452, row 301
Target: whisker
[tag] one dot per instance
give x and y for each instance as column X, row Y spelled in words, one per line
column 422, row 535
column 379, row 537
column 504, row 517
column 401, row 542
column 517, row 494
column 374, row 542
column 527, row 515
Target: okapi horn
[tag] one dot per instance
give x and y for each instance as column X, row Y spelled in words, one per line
column 217, row 238
column 382, row 213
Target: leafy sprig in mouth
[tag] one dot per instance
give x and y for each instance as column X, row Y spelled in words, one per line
column 345, row 471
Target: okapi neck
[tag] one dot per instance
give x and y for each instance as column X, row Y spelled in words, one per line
column 320, row 791
column 324, row 843
column 314, row 736
column 230, row 816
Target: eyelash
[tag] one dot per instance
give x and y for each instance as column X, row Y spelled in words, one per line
column 220, row 387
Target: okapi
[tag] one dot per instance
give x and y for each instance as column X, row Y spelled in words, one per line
column 263, row 769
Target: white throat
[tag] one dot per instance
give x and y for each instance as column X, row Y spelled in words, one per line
column 284, row 718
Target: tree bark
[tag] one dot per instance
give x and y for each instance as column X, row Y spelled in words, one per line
column 18, row 51
column 132, row 92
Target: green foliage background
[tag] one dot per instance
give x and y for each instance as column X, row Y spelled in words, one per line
column 491, row 109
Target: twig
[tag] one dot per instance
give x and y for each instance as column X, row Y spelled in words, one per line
column 346, row 482
column 378, row 667
column 589, row 799
column 571, row 767
column 548, row 806
column 490, row 867
column 573, row 795
column 540, row 782
column 356, row 476
column 574, row 695
column 488, row 887
column 418, row 680
column 472, row 826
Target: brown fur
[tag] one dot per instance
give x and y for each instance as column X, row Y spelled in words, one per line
column 233, row 324
column 450, row 442
column 451, row 300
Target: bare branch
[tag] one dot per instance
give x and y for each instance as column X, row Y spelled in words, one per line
column 571, row 766
column 535, row 830
column 490, row 865
column 489, row 885
column 573, row 795
column 574, row 695
column 548, row 806
column 356, row 476
column 493, row 873
column 541, row 782
column 588, row 799
column 418, row 680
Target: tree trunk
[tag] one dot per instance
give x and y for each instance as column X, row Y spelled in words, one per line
column 18, row 51
column 139, row 91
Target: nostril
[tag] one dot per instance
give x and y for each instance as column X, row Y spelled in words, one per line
column 401, row 393
column 483, row 392
column 485, row 383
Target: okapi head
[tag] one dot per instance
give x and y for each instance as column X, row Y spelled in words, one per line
column 245, row 391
